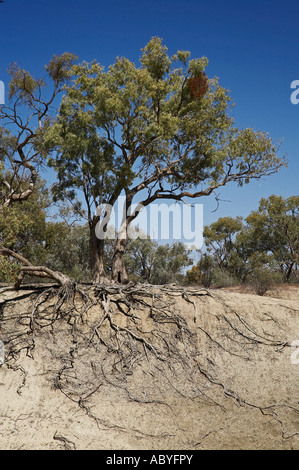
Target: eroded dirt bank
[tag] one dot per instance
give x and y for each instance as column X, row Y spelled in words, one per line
column 148, row 368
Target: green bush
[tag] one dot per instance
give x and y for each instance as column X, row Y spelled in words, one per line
column 263, row 279
column 8, row 270
column 221, row 278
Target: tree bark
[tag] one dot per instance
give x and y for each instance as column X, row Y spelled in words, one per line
column 119, row 272
column 289, row 271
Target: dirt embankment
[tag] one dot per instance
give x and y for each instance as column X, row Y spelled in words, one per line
column 149, row 368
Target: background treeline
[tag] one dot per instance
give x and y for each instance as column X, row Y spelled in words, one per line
column 261, row 250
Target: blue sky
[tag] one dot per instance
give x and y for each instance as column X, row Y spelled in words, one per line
column 251, row 46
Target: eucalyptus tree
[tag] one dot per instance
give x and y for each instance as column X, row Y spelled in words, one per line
column 154, row 263
column 265, row 242
column 169, row 130
column 273, row 229
column 220, row 239
column 22, row 123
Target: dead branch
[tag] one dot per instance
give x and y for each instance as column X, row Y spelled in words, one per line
column 31, row 270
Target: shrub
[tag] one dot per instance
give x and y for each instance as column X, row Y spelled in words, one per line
column 263, row 279
column 8, row 270
column 201, row 274
column 223, row 278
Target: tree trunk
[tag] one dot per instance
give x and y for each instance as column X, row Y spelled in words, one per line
column 119, row 272
column 96, row 252
column 289, row 270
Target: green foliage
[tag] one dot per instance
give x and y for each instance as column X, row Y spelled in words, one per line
column 59, row 68
column 223, row 278
column 193, row 276
column 262, row 279
column 8, row 270
column 145, row 259
column 207, row 273
column 220, row 239
column 140, row 258
column 69, row 251
column 22, row 85
column 160, row 131
column 263, row 250
column 170, row 261
column 274, row 229
column 25, row 87
column 84, row 160
column 202, row 272
column 24, row 229
column 155, row 59
column 148, row 261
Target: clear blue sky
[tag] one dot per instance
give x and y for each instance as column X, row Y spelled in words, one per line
column 251, row 46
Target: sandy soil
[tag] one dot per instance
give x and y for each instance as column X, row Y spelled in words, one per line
column 228, row 380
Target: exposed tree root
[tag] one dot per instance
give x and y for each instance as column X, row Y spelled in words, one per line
column 68, row 445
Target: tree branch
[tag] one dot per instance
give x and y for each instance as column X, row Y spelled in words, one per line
column 30, row 269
